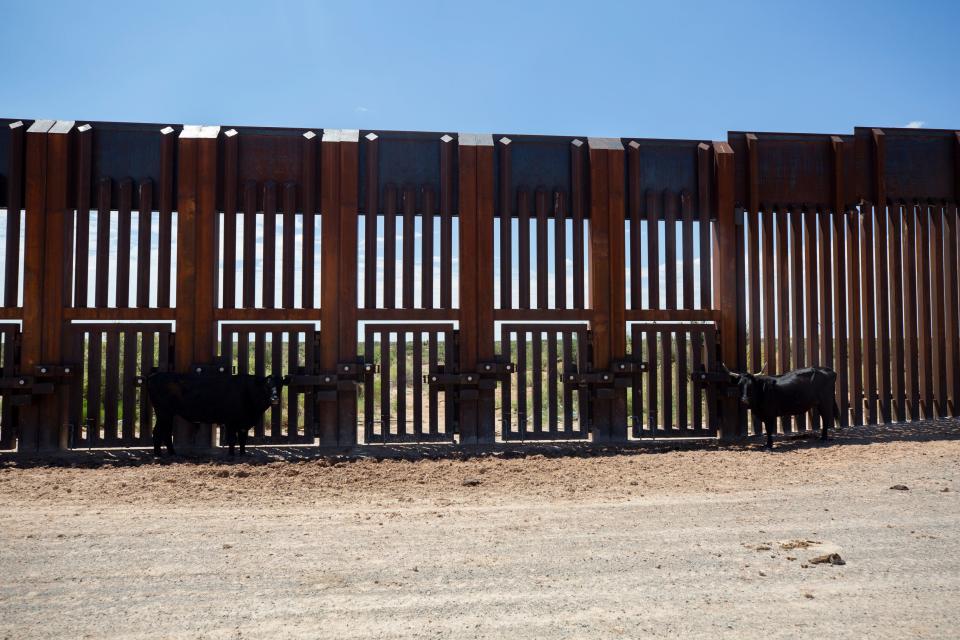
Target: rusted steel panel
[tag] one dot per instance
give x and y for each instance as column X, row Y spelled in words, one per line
column 951, row 285
column 104, row 215
column 670, row 247
column 269, row 241
column 124, row 150
column 916, row 164
column 349, row 187
column 146, row 366
column 266, row 154
column 370, row 150
column 924, row 331
column 667, row 165
column 390, row 247
column 854, row 265
column 752, row 293
column 426, row 248
column 111, row 373
column 725, row 286
column 552, row 397
column 880, row 232
column 937, row 312
column 167, row 199
column 231, row 195
column 618, row 325
column 634, row 212
column 309, row 184
column 249, row 273
column 408, row 258
column 542, row 267
column 35, row 205
column 752, row 214
column 485, row 299
column 791, row 168
column 469, row 304
column 207, row 282
column 811, row 286
column 798, row 338
column 448, row 195
column 867, row 317
column 686, row 231
column 144, row 239
column 407, row 158
column 14, row 202
column 560, row 249
column 840, row 258
column 603, row 153
column 57, row 278
column 825, row 304
column 704, row 200
column 654, row 202
column 187, row 162
column 12, row 158
column 505, row 215
column 83, row 186
column 287, row 274
column 523, row 244
column 579, row 183
column 911, row 333
column 767, row 229
column 128, row 380
column 783, row 300
column 124, row 224
column 896, row 311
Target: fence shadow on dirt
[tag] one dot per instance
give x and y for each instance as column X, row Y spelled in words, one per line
column 921, row 431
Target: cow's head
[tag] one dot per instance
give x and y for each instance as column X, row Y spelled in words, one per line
column 272, row 386
column 750, row 388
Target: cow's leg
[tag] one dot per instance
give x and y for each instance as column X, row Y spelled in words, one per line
column 160, row 428
column 770, row 424
column 231, row 437
column 243, row 440
column 156, row 436
column 826, row 417
column 168, row 434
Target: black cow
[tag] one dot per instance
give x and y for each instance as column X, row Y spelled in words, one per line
column 234, row 402
column 790, row 394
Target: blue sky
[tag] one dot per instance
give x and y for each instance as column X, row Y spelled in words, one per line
column 665, row 69
column 671, row 70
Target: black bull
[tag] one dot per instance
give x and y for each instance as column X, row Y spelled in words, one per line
column 790, row 394
column 235, row 402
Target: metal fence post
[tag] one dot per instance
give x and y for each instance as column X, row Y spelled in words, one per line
column 349, row 194
column 476, row 279
column 725, row 283
column 338, row 286
column 607, row 278
column 45, row 271
column 197, row 238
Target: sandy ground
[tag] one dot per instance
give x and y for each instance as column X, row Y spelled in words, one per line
column 683, row 543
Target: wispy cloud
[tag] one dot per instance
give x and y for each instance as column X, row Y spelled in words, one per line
column 915, row 124
column 360, row 109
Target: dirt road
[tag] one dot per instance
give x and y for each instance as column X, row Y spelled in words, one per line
column 695, row 543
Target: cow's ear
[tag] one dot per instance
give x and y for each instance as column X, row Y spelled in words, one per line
column 285, row 382
column 734, row 377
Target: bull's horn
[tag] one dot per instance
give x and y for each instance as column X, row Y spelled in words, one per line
column 762, row 371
